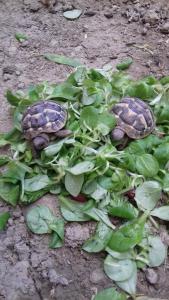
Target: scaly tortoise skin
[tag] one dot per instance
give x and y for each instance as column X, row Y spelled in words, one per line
column 134, row 118
column 43, row 119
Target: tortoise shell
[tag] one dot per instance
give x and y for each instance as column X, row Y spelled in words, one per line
column 43, row 117
column 134, row 117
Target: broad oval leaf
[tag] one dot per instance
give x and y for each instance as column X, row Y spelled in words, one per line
column 39, row 218
column 36, row 183
column 118, row 270
column 129, row 285
column 73, row 183
column 161, row 212
column 82, row 167
column 158, row 251
column 110, row 294
column 148, row 194
column 147, row 165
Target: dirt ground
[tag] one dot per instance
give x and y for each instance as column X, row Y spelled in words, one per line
column 106, row 32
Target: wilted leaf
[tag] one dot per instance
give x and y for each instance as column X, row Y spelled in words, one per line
column 61, row 59
column 72, row 14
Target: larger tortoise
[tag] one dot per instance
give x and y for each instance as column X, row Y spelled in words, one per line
column 134, row 119
column 42, row 121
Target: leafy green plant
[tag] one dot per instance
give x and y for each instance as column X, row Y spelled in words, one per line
column 89, row 166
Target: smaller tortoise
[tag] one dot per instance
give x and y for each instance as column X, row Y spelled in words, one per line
column 42, row 122
column 134, row 119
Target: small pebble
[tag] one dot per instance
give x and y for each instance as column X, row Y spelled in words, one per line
column 108, row 15
column 151, row 276
column 89, row 13
column 21, row 85
column 18, row 73
column 144, row 31
column 6, row 77
column 10, row 221
column 24, row 44
column 165, row 28
column 22, row 219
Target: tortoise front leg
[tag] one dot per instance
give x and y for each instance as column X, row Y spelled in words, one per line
column 124, row 143
column 63, row 133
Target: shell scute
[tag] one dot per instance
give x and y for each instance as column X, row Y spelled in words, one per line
column 134, row 117
column 43, row 117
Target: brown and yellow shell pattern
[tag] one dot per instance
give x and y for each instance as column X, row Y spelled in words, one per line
column 134, row 117
column 43, row 117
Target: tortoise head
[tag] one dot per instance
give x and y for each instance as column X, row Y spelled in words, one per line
column 41, row 141
column 117, row 134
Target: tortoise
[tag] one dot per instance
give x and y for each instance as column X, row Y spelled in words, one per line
column 134, row 117
column 43, row 122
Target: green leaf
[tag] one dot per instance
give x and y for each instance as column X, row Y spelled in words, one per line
column 107, row 119
column 58, row 235
column 61, row 59
column 129, row 285
column 3, row 141
column 72, row 14
column 161, row 212
column 81, row 168
column 110, row 294
column 118, row 270
column 158, row 251
column 89, row 116
column 166, row 183
column 66, row 91
column 128, row 235
column 12, row 99
column 40, row 220
column 148, row 194
column 122, row 208
column 4, row 219
column 119, row 255
column 30, row 197
column 100, row 215
column 147, row 165
column 36, row 183
column 3, row 160
column 9, row 192
column 161, row 153
column 74, row 211
column 125, row 64
column 54, row 148
column 73, row 183
column 21, row 37
column 100, row 239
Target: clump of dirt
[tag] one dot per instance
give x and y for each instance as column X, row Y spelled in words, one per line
column 106, row 32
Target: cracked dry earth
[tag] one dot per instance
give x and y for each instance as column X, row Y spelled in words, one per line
column 106, row 32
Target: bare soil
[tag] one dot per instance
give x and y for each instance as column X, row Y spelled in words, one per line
column 106, row 32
